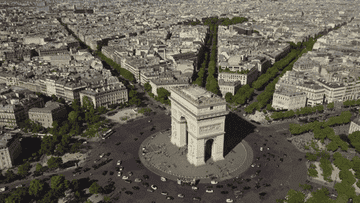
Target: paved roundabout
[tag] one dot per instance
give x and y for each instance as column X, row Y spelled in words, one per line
column 163, row 158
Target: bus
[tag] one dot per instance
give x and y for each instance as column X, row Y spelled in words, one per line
column 107, row 134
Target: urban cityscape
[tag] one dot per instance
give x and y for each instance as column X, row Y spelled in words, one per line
column 150, row 101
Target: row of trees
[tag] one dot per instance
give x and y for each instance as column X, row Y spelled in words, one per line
column 303, row 111
column 162, row 94
column 211, row 81
column 122, row 71
column 241, row 96
column 343, row 118
column 201, row 74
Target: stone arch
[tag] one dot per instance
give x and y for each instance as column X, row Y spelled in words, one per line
column 208, row 149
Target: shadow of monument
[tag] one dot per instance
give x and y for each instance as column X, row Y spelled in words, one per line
column 236, row 129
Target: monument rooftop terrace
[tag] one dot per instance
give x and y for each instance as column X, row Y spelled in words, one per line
column 199, row 96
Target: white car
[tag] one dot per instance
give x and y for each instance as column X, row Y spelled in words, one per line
column 154, row 187
column 118, row 162
column 18, row 186
column 119, row 173
column 194, row 188
column 138, row 180
column 2, row 189
column 125, row 177
column 214, row 182
column 209, row 191
column 253, row 165
column 229, row 200
column 130, row 173
column 164, row 193
column 163, row 179
column 181, row 195
column 261, row 149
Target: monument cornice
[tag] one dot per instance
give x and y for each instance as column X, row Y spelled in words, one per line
column 203, row 116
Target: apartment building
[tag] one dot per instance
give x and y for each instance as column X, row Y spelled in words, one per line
column 233, row 75
column 14, row 110
column 53, row 111
column 10, row 149
column 315, row 94
column 226, row 87
column 283, row 99
column 333, row 91
column 106, row 95
column 354, row 126
column 134, row 65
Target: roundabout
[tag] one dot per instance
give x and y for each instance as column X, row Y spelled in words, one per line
column 163, row 158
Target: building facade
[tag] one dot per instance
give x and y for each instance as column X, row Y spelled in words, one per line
column 243, row 78
column 354, row 126
column 53, row 111
column 283, row 99
column 226, row 87
column 10, row 149
column 106, row 95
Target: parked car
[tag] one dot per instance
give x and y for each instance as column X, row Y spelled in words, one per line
column 118, row 163
column 135, row 188
column 121, row 168
column 150, row 190
column 102, row 155
column 130, row 173
column 125, row 177
column 209, row 191
column 181, row 195
column 146, row 177
column 146, row 184
column 164, row 193
column 163, row 179
column 128, row 192
column 3, row 189
column 105, row 172
column 127, row 181
column 229, row 200
column 196, row 198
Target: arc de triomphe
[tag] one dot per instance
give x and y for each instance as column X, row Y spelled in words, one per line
column 198, row 121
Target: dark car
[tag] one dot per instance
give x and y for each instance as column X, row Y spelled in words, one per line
column 169, row 198
column 128, row 192
column 127, row 181
column 145, row 184
column 135, row 188
column 196, row 198
column 146, row 177
column 105, row 172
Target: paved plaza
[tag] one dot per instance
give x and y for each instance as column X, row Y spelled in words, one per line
column 170, row 161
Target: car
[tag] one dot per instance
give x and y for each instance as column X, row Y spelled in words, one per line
column 135, row 188
column 3, row 189
column 224, row 192
column 253, row 165
column 214, row 182
column 138, row 180
column 150, row 190
column 209, row 191
column 125, row 177
column 194, row 188
column 229, row 200
column 219, row 186
column 121, row 168
column 163, row 179
column 146, row 184
column 127, row 181
column 118, row 163
column 181, row 195
column 154, row 187
column 102, row 155
column 19, row 186
column 149, row 121
column 85, row 142
column 164, row 193
column 169, row 198
column 261, row 149
column 128, row 192
column 146, row 177
column 105, row 172
column 196, row 198
column 130, row 173
column 119, row 173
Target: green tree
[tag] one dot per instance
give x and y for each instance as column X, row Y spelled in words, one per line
column 36, row 188
column 95, row 188
column 87, row 103
column 38, row 167
column 294, row 196
column 228, row 97
column 306, row 187
column 75, row 105
column 59, row 183
column 24, row 169
column 147, row 87
column 73, row 117
column 18, row 196
column 330, row 106
column 320, row 195
column 54, row 162
column 355, row 140
column 10, row 176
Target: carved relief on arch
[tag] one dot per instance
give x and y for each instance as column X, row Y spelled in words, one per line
column 209, row 128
